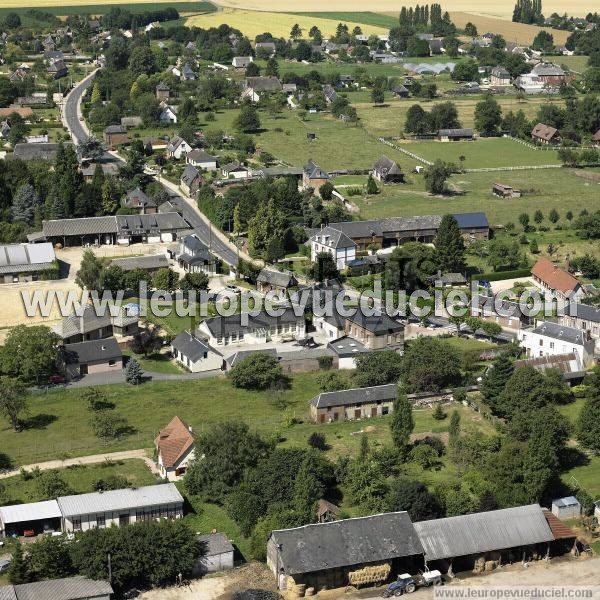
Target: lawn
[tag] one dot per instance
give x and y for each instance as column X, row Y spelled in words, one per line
column 156, row 363
column 578, row 64
column 481, row 153
column 253, row 23
column 58, row 422
column 586, row 476
column 80, row 478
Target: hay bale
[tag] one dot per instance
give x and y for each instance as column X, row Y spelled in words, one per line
column 479, row 566
column 309, row 592
column 370, row 574
column 490, row 565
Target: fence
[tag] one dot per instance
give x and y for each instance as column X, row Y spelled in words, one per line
column 404, row 151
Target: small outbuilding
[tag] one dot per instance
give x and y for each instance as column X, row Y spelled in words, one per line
column 217, row 555
column 505, row 191
column 455, row 135
column 566, row 508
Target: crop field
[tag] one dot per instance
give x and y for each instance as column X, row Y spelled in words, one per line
column 253, row 23
column 499, row 8
column 366, row 18
column 91, row 7
column 491, row 152
column 511, row 32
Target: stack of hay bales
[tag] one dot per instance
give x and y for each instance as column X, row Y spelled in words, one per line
column 369, row 575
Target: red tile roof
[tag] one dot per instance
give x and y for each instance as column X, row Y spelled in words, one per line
column 174, row 441
column 559, row 530
column 554, row 277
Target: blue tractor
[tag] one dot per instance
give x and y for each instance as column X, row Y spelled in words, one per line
column 405, row 584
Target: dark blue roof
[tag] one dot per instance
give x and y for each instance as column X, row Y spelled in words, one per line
column 472, row 220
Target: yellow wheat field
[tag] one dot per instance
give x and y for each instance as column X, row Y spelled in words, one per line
column 494, row 8
column 252, row 23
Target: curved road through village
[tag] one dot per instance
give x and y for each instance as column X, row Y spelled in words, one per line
column 214, row 239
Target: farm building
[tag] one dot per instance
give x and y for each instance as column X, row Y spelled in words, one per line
column 331, row 555
column 314, row 177
column 499, row 76
column 566, row 508
column 269, row 280
column 218, row 553
column 545, row 134
column 27, row 151
column 73, row 588
column 174, row 449
column 467, row 542
column 455, row 135
column 94, row 356
column 36, row 516
column 327, row 511
column 114, row 135
column 118, row 229
column 26, row 262
column 150, row 263
column 386, row 170
column 120, row 507
column 505, row 191
column 358, row 403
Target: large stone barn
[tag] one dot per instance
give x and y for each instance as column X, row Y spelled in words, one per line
column 331, row 555
column 470, row 542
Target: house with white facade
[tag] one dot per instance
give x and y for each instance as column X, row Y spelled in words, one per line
column 560, row 283
column 174, row 449
column 552, row 339
column 195, row 354
column 178, row 147
column 201, row 160
column 334, row 242
column 168, row 115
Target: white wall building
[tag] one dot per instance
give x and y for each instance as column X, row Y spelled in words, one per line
column 335, row 243
column 195, row 354
column 552, row 339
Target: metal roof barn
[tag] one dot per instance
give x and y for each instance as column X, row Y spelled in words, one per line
column 98, row 502
column 35, row 511
column 483, row 532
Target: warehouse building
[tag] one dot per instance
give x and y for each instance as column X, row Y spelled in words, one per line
column 326, row 555
column 98, row 509
column 26, row 262
column 120, row 507
column 117, row 229
column 466, row 542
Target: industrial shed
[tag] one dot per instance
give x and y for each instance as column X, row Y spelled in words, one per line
column 323, row 555
column 509, row 534
column 37, row 516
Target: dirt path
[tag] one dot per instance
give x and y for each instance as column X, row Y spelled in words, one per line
column 86, row 460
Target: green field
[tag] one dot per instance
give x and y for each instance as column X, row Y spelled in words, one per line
column 80, row 479
column 490, row 152
column 58, row 423
column 366, row 18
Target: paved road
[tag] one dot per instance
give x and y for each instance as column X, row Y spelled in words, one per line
column 86, row 460
column 215, row 240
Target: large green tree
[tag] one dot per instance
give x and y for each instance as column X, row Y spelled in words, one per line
column 402, row 422
column 496, row 377
column 488, row 116
column 588, row 423
column 13, row 400
column 377, row 368
column 450, row 246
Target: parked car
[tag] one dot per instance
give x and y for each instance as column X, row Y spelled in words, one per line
column 5, row 564
column 29, row 533
column 57, row 379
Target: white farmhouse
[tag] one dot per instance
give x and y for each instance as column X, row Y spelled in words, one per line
column 195, row 354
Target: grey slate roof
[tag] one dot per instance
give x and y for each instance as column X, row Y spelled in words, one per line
column 386, row 166
column 378, row 323
column 583, row 311
column 263, row 84
column 216, row 543
column 190, row 346
column 115, row 129
column 282, row 279
column 482, row 532
column 112, row 500
column 313, row 171
column 325, row 546
column 93, row 351
column 88, row 321
column 356, row 229
column 560, row 332
column 333, row 238
column 153, row 261
column 83, row 226
column 73, row 588
column 199, row 156
column 26, row 257
column 223, row 325
column 189, row 175
column 43, row 151
column 356, row 396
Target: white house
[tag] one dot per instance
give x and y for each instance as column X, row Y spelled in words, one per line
column 167, row 115
column 334, row 242
column 560, row 283
column 241, row 62
column 195, row 354
column 202, row 160
column 174, row 449
column 552, row 339
column 178, row 147
column 236, row 171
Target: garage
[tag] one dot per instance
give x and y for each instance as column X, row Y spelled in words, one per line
column 38, row 517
